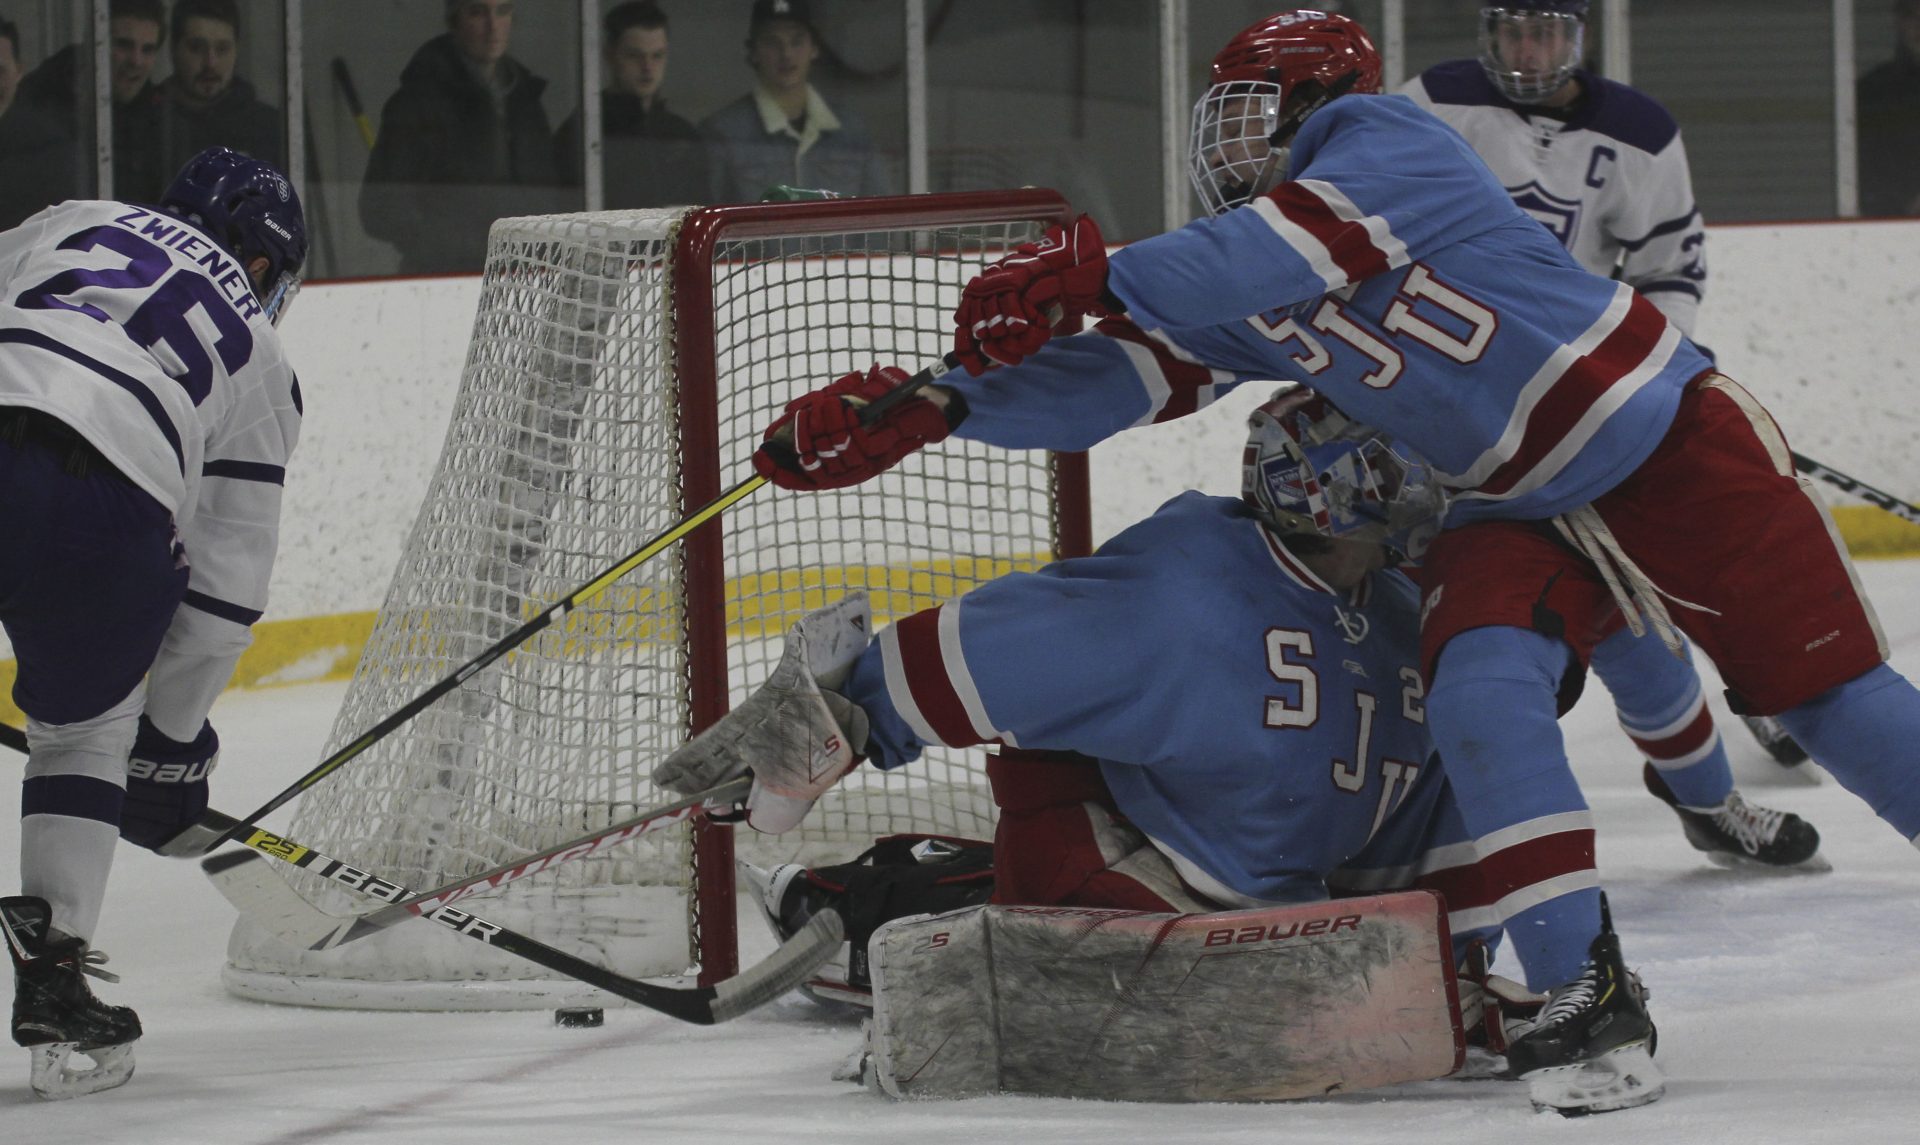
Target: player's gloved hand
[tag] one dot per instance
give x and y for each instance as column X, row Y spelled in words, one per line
column 166, row 784
column 819, row 443
column 1009, row 309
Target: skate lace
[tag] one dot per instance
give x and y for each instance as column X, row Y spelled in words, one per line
column 1570, row 999
column 1753, row 827
column 92, row 963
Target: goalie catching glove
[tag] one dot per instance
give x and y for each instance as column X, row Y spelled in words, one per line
column 1009, row 309
column 820, row 442
column 796, row 735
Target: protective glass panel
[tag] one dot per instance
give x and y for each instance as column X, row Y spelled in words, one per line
column 1026, row 93
column 426, row 122
column 46, row 107
column 816, row 102
column 1751, row 83
column 220, row 81
column 1886, row 54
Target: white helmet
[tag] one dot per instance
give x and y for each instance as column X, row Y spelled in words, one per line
column 1309, row 468
column 1530, row 48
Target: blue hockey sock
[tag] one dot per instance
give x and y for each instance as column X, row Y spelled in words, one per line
column 1661, row 705
column 1864, row 732
column 1493, row 716
column 1540, row 937
column 1493, row 712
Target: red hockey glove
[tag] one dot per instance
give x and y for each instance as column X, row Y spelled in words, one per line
column 819, row 443
column 1009, row 309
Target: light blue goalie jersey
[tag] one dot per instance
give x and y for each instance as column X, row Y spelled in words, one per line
column 1257, row 725
column 1393, row 273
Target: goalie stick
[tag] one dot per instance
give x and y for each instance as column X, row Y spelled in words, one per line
column 258, row 892
column 785, row 969
column 202, row 837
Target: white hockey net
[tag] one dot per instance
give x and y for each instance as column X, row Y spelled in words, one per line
column 622, row 368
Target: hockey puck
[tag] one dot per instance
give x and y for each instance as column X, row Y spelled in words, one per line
column 579, row 1017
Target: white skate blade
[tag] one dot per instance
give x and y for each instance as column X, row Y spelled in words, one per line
column 1618, row 1079
column 53, row 1080
column 1814, row 864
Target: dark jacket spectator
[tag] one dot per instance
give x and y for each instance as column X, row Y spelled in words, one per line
column 235, row 118
column 208, row 104
column 36, row 154
column 651, row 157
column 39, row 161
column 1889, row 110
column 51, row 90
column 455, row 153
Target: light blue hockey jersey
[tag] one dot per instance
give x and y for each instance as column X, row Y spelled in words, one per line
column 1394, row 274
column 1258, row 726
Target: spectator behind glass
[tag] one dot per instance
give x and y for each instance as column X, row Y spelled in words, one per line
column 26, row 139
column 1889, row 109
column 207, row 105
column 783, row 131
column 54, row 94
column 463, row 142
column 652, row 157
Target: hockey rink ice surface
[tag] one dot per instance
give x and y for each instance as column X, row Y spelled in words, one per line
column 1788, row 1006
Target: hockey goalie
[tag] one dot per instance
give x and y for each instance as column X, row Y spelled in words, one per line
column 1212, row 759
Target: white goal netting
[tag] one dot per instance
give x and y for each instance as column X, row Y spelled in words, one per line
column 622, row 368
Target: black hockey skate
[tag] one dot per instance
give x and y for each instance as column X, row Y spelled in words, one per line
column 1591, row 1050
column 1738, row 833
column 54, row 1012
column 1778, row 742
column 899, row 875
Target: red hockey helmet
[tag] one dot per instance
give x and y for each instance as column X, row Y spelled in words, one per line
column 1309, row 468
column 1264, row 84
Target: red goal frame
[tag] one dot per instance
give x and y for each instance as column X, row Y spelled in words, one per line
column 694, row 344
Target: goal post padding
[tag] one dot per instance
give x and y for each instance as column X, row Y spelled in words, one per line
column 622, row 368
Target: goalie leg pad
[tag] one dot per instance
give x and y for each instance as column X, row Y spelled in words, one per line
column 1257, row 1005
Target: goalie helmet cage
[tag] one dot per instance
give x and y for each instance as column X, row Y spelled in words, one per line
column 622, row 368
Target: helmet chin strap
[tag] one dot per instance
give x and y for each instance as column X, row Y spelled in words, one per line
column 1291, row 121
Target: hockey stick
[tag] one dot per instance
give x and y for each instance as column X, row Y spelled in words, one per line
column 258, row 892
column 203, row 837
column 785, row 969
column 1904, row 510
column 351, row 94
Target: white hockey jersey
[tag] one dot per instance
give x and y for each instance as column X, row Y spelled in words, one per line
column 1610, row 181
column 142, row 334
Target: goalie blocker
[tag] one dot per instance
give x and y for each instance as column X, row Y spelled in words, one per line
column 1254, row 1005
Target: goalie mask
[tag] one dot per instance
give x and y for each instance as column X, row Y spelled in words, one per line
column 1263, row 86
column 1311, row 469
column 1530, row 50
